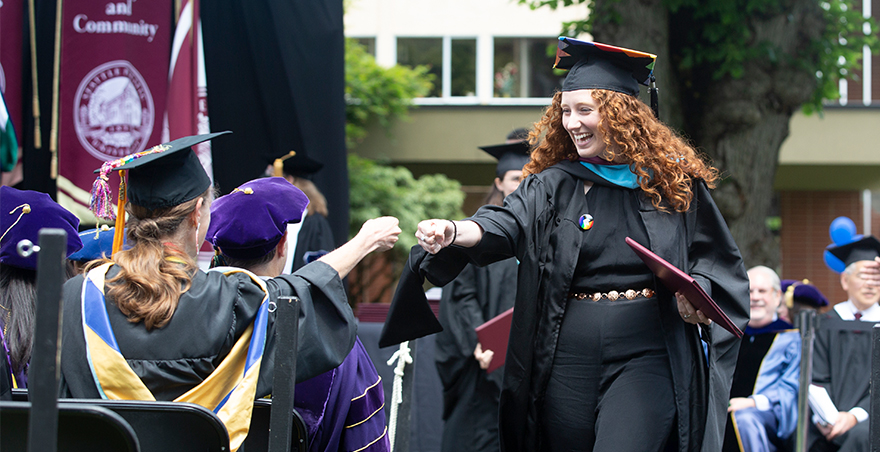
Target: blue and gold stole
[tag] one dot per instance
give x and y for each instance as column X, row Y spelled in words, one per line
column 229, row 391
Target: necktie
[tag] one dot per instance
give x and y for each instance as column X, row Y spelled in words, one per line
column 858, row 316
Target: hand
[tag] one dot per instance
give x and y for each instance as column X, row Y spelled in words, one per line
column 739, row 403
column 434, row 235
column 688, row 313
column 483, row 357
column 380, row 233
column 870, row 272
column 845, row 421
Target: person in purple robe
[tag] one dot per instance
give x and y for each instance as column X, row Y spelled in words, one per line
column 343, row 408
column 22, row 214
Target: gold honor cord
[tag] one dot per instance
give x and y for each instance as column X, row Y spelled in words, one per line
column 38, row 141
column 56, row 83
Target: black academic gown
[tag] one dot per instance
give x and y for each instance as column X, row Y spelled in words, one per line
column 315, row 236
column 842, row 365
column 470, row 395
column 209, row 319
column 539, row 226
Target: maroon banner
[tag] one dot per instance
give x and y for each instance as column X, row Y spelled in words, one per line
column 11, row 71
column 114, row 78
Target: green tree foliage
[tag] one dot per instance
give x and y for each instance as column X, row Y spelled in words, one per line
column 376, row 93
column 378, row 190
column 719, row 35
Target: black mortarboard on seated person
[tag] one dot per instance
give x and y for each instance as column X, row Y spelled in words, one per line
column 511, row 156
column 593, row 65
column 166, row 175
column 865, row 249
column 296, row 164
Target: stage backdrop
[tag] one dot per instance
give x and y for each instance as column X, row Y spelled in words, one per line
column 275, row 78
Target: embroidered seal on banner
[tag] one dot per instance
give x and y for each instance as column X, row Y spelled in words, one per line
column 113, row 111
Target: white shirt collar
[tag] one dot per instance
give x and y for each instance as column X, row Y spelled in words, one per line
column 847, row 311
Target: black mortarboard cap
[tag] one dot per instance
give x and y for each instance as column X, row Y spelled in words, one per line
column 593, row 65
column 510, row 156
column 296, row 164
column 168, row 174
column 865, row 249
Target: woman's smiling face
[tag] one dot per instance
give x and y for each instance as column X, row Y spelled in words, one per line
column 580, row 117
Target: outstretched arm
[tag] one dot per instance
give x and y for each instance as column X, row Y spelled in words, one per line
column 376, row 234
column 434, row 235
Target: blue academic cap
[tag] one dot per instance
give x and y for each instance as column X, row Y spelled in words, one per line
column 97, row 244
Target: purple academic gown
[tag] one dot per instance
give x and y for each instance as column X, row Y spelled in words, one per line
column 344, row 408
column 20, row 377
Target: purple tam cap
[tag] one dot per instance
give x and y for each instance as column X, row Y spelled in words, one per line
column 22, row 214
column 250, row 221
column 802, row 292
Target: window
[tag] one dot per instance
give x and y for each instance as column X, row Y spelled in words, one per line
column 523, row 67
column 368, row 43
column 453, row 61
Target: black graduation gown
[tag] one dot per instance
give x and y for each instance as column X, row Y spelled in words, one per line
column 470, row 395
column 315, row 236
column 538, row 224
column 209, row 319
column 842, row 363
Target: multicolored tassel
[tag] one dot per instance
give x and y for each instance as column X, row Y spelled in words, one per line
column 101, row 201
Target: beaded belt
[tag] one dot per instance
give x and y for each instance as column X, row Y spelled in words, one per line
column 613, row 295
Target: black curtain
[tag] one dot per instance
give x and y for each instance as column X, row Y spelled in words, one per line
column 275, row 74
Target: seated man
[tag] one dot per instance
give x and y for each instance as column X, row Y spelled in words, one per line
column 343, row 408
column 763, row 404
column 842, row 352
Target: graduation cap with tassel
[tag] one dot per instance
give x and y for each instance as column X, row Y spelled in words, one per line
column 593, row 65
column 166, row 175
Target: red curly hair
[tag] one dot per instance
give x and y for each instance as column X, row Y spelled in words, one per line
column 634, row 136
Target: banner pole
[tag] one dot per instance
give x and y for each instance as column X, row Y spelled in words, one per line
column 38, row 140
column 56, row 83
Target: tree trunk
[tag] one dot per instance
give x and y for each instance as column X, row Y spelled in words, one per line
column 740, row 123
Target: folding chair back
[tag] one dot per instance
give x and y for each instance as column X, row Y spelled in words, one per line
column 258, row 435
column 81, row 428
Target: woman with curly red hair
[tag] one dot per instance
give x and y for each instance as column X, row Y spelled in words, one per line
column 601, row 355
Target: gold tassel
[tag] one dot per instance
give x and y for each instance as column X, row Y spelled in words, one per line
column 278, row 164
column 119, row 233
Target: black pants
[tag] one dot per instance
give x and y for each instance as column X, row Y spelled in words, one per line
column 610, row 388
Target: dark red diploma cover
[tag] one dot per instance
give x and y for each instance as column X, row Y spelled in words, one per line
column 493, row 336
column 678, row 281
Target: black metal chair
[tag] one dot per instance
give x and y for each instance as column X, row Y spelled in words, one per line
column 81, row 428
column 162, row 426
column 258, row 435
column 168, row 426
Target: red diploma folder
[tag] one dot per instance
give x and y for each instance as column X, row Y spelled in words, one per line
column 493, row 336
column 679, row 281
